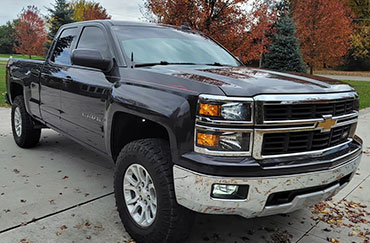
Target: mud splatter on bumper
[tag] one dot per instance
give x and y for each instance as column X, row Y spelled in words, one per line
column 193, row 191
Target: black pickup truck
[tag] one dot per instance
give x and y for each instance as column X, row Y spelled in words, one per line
column 188, row 126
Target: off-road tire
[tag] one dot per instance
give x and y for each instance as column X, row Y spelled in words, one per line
column 173, row 222
column 30, row 136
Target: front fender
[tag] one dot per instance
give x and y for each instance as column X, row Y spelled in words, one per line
column 175, row 111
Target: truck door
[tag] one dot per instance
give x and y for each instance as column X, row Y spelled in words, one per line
column 53, row 74
column 84, row 96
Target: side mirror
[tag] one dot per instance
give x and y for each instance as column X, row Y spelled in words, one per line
column 91, row 58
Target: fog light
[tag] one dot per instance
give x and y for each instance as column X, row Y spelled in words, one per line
column 222, row 191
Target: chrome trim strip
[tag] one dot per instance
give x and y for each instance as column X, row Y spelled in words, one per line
column 300, row 122
column 221, row 98
column 222, row 122
column 217, row 129
column 313, row 163
column 305, row 98
column 310, row 127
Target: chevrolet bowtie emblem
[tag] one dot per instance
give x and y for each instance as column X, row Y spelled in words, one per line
column 327, row 124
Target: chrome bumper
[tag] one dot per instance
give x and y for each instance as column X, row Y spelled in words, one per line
column 193, row 191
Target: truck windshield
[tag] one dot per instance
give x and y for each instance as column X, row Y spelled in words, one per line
column 152, row 45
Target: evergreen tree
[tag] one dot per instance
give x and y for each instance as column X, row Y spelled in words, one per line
column 284, row 54
column 7, row 39
column 60, row 14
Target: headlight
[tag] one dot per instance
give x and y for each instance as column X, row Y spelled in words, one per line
column 224, row 126
column 227, row 109
column 236, row 111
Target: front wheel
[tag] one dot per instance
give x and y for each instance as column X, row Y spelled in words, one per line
column 145, row 196
column 24, row 133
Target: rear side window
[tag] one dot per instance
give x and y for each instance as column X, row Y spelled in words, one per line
column 62, row 50
column 94, row 38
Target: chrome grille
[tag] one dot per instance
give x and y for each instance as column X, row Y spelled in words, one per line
column 294, row 125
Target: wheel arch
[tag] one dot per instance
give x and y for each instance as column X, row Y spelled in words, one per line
column 127, row 127
column 16, row 89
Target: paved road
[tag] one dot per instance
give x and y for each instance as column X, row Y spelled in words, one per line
column 61, row 192
column 4, row 59
column 342, row 77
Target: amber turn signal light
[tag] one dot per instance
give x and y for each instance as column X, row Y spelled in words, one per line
column 210, row 110
column 207, row 140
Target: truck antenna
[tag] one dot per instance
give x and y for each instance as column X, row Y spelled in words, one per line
column 132, row 60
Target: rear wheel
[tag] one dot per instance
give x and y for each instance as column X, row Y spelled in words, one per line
column 145, row 196
column 24, row 133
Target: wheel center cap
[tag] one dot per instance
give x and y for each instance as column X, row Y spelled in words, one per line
column 143, row 194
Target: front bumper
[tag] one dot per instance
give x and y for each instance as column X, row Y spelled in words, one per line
column 193, row 190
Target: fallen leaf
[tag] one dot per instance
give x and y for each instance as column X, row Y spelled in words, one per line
column 25, row 241
column 332, row 240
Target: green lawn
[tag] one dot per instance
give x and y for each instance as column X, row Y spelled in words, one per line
column 363, row 89
column 2, row 85
column 21, row 56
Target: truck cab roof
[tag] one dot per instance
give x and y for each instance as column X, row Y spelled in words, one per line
column 108, row 22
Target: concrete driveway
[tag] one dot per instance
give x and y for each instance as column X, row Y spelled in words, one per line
column 61, row 192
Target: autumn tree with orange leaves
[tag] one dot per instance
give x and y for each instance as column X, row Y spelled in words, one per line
column 30, row 33
column 87, row 10
column 324, row 29
column 239, row 25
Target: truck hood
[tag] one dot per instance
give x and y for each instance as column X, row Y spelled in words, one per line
column 244, row 81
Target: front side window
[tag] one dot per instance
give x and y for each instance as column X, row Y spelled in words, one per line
column 62, row 52
column 94, row 38
column 155, row 45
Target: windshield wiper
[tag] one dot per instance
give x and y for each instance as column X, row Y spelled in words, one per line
column 163, row 63
column 217, row 64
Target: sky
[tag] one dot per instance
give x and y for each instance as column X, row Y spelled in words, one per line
column 118, row 9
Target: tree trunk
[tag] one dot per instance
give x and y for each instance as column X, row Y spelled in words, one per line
column 260, row 62
column 30, row 56
column 311, row 68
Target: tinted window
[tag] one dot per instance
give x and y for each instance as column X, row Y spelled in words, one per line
column 93, row 38
column 153, row 45
column 62, row 52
